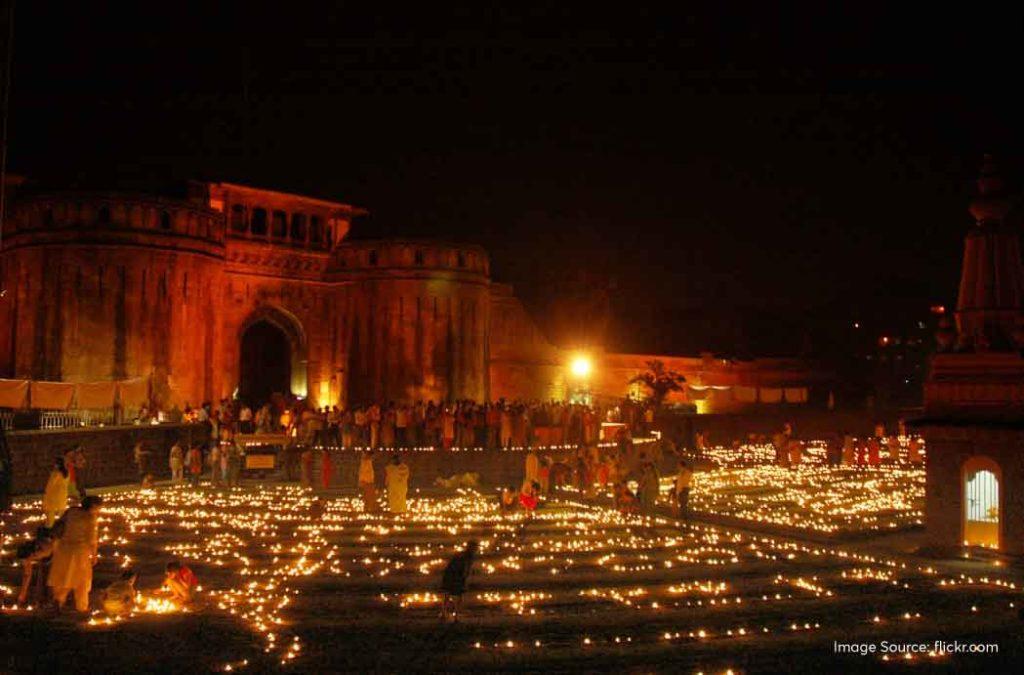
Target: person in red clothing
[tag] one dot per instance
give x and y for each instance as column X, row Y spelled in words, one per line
column 528, row 497
column 194, row 461
column 326, row 469
column 874, row 452
column 179, row 582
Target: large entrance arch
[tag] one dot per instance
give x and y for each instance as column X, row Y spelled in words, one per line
column 981, row 478
column 272, row 348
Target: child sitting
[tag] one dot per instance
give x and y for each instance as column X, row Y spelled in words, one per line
column 179, row 582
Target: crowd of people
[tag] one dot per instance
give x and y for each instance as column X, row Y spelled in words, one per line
column 58, row 561
column 841, row 448
column 500, row 424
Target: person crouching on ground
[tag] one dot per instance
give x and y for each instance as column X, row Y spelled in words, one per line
column 508, row 498
column 35, row 558
column 118, row 598
column 625, row 500
column 453, row 581
column 528, row 498
column 179, row 582
column 75, row 554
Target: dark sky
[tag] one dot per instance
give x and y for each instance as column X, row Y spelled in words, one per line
column 737, row 176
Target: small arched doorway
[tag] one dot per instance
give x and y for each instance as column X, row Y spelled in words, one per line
column 981, row 479
column 266, row 363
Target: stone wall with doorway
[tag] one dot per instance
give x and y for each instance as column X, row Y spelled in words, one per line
column 949, row 449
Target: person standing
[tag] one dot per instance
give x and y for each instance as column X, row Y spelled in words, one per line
column 176, row 462
column 69, row 468
column 532, row 467
column 447, row 428
column 402, row 426
column 373, row 419
column 55, row 497
column 682, row 490
column 214, row 460
column 75, row 554
column 367, row 482
column 648, row 486
column 245, row 424
column 333, row 427
column 141, row 457
column 397, row 479
column 194, row 459
column 454, row 580
column 225, row 460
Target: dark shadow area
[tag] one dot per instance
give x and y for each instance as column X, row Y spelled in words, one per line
column 265, row 366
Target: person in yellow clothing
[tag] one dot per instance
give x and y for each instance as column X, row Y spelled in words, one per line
column 367, row 481
column 396, row 475
column 75, row 553
column 55, row 497
column 532, row 468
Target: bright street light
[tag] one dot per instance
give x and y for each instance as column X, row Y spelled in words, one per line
column 581, row 366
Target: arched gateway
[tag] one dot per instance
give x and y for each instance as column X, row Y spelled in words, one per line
column 272, row 356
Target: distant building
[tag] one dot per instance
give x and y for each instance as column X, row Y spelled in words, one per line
column 230, row 289
column 974, row 395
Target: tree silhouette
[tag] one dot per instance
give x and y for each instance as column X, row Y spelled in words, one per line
column 660, row 381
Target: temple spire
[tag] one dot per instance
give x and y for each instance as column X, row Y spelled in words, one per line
column 992, row 278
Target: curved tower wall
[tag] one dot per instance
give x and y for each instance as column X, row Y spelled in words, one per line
column 414, row 320
column 105, row 286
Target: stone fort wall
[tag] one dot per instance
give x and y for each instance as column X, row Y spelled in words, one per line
column 106, row 286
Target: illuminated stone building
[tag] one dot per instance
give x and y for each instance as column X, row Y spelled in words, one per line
column 228, row 288
column 974, row 396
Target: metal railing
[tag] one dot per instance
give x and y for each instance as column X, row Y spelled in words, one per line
column 63, row 419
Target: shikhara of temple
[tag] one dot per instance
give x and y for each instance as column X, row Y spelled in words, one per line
column 974, row 395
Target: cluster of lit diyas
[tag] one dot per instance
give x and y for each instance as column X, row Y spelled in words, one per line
column 815, row 497
column 573, row 576
column 891, row 450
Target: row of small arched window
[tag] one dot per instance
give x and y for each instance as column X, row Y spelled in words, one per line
column 300, row 229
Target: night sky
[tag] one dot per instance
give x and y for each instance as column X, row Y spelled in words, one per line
column 735, row 179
